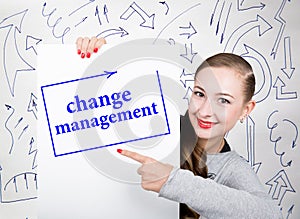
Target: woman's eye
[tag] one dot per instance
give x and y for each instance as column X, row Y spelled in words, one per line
column 199, row 94
column 224, row 101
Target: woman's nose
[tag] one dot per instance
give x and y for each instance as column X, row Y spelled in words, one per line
column 205, row 110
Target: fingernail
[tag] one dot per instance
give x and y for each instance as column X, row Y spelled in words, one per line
column 95, row 50
column 82, row 55
column 88, row 55
column 78, row 51
column 119, row 151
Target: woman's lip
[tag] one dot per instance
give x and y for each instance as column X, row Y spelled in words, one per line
column 205, row 124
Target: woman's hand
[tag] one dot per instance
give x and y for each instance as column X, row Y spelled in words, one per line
column 87, row 46
column 153, row 173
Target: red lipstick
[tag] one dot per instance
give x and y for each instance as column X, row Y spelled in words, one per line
column 204, row 124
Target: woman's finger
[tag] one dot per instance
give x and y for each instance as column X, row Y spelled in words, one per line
column 99, row 43
column 91, row 46
column 136, row 156
column 84, row 46
column 79, row 45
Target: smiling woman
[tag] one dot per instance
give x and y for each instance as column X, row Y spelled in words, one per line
column 212, row 181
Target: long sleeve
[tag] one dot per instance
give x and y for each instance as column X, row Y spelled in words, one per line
column 235, row 191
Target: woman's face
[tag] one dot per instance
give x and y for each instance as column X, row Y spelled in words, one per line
column 217, row 102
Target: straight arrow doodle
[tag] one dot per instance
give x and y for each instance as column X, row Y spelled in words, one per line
column 288, row 69
column 281, row 29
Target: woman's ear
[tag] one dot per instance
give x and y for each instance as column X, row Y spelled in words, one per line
column 248, row 109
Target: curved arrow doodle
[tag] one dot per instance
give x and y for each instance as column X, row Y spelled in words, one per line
column 261, row 24
column 264, row 91
column 13, row 25
column 284, row 135
column 148, row 20
column 54, row 25
column 279, row 185
column 166, row 4
column 111, row 32
column 8, row 107
column 26, row 181
column 171, row 41
column 243, row 5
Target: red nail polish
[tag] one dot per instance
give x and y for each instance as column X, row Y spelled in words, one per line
column 95, row 50
column 119, row 151
column 78, row 51
column 82, row 55
column 88, row 55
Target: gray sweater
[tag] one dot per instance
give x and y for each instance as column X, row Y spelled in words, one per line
column 232, row 191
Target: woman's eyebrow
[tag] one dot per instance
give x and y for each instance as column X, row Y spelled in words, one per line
column 200, row 88
column 225, row 94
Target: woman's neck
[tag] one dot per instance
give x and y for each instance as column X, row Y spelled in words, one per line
column 212, row 145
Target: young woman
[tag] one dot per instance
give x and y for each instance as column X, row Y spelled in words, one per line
column 213, row 181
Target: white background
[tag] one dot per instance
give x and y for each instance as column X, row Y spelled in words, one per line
column 265, row 33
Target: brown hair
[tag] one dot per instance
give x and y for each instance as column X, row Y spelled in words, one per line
column 193, row 155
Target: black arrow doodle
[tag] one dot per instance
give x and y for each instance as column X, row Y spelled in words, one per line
column 288, row 68
column 82, row 6
column 259, row 23
column 23, row 131
column 33, row 150
column 32, row 106
column 19, row 121
column 97, row 14
column 50, row 16
column 188, row 93
column 110, row 32
column 32, row 42
column 243, row 5
column 148, row 20
column 80, row 22
column 290, row 211
column 280, row 93
column 25, row 176
column 105, row 12
column 282, row 22
column 262, row 92
column 250, row 129
column 282, row 139
column 13, row 25
column 191, row 30
column 8, row 107
column 164, row 3
column 279, row 185
column 189, row 54
column 186, row 78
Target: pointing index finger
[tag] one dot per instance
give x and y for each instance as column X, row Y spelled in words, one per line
column 136, row 156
